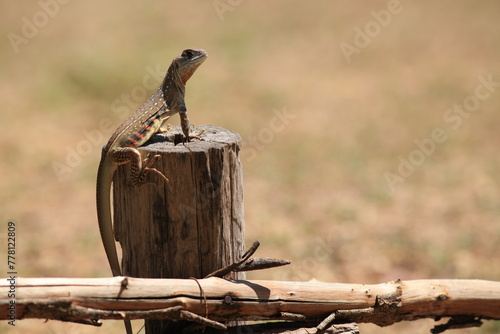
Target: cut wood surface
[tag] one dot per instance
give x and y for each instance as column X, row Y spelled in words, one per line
column 218, row 299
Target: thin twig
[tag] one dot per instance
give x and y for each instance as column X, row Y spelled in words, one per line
column 325, row 324
column 259, row 263
column 232, row 267
column 202, row 295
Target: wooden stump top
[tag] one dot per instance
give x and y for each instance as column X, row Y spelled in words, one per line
column 212, row 137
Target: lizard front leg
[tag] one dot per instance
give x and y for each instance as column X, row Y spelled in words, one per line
column 138, row 167
column 186, row 127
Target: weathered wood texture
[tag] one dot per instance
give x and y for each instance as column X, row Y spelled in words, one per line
column 191, row 225
column 222, row 300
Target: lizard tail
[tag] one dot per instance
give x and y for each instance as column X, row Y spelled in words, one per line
column 103, row 201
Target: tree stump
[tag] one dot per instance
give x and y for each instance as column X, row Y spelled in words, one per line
column 190, row 226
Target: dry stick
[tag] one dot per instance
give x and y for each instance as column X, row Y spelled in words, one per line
column 226, row 270
column 202, row 295
column 325, row 324
column 289, row 328
column 171, row 313
column 247, row 264
column 382, row 304
column 259, row 263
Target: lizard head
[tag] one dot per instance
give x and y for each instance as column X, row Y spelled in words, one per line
column 179, row 72
column 188, row 61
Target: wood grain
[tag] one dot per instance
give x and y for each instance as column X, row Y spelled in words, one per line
column 223, row 300
column 192, row 225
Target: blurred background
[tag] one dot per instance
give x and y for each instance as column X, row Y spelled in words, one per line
column 370, row 129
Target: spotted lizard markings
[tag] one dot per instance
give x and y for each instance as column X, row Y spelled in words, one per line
column 134, row 132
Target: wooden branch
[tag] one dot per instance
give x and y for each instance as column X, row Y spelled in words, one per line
column 233, row 266
column 248, row 264
column 288, row 328
column 73, row 299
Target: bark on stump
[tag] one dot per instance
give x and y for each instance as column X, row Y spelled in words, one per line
column 190, row 226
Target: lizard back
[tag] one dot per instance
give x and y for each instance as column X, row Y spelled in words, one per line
column 142, row 124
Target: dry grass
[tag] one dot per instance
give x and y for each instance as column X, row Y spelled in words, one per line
column 315, row 190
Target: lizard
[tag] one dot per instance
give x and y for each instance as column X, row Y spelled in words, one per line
column 136, row 131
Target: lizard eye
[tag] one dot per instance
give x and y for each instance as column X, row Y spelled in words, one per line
column 187, row 54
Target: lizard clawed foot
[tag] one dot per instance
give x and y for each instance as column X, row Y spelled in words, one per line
column 195, row 133
column 148, row 162
column 165, row 128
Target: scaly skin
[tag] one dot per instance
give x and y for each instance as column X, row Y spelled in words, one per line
column 134, row 132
